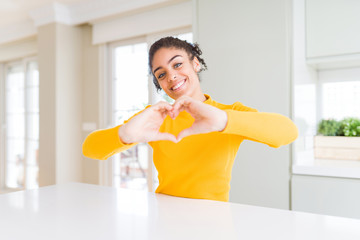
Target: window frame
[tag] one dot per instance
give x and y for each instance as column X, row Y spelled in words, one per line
column 3, row 130
column 111, row 98
column 2, row 126
column 331, row 79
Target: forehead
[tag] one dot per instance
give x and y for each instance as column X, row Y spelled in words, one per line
column 163, row 55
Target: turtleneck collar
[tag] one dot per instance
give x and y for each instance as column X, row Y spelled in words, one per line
column 208, row 99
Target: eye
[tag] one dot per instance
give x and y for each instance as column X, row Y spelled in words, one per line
column 177, row 65
column 161, row 75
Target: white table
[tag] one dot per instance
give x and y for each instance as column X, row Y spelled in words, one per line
column 82, row 211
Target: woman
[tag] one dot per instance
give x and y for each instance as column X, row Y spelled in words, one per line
column 194, row 140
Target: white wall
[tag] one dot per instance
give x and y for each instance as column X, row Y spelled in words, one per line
column 246, row 45
column 69, row 75
column 47, row 90
column 60, row 67
column 90, row 100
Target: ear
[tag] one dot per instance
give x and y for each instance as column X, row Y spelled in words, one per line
column 196, row 64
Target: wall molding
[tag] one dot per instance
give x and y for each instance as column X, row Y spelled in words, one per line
column 54, row 12
column 176, row 16
column 92, row 10
column 17, row 31
column 335, row 62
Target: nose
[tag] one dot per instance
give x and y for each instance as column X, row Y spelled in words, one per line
column 173, row 76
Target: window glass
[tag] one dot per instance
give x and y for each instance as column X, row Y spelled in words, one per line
column 22, row 125
column 341, row 100
column 130, row 95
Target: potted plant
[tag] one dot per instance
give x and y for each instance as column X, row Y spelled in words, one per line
column 338, row 139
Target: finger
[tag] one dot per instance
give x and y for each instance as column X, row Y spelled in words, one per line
column 181, row 102
column 171, row 114
column 181, row 105
column 163, row 106
column 176, row 112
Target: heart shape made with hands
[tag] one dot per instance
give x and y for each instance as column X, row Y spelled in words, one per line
column 145, row 126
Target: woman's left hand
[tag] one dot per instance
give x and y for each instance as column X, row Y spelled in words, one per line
column 207, row 118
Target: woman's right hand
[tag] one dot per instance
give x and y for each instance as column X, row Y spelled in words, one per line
column 145, row 126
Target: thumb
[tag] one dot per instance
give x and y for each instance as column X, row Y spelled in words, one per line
column 186, row 132
column 164, row 136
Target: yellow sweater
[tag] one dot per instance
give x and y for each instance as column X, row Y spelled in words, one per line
column 199, row 166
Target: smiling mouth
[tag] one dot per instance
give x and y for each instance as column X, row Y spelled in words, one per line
column 178, row 86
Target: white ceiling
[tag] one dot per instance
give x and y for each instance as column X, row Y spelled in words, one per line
column 19, row 19
column 14, row 11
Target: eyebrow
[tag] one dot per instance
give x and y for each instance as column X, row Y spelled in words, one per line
column 168, row 62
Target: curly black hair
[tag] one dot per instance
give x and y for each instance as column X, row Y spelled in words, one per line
column 193, row 50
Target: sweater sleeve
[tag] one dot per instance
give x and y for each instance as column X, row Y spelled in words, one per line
column 104, row 143
column 272, row 129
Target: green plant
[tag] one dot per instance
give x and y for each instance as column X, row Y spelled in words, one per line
column 351, row 127
column 340, row 131
column 329, row 127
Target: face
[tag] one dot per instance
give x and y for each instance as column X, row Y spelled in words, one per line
column 176, row 73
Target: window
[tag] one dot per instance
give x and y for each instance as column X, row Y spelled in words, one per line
column 21, row 125
column 131, row 90
column 130, row 95
column 340, row 99
column 334, row 95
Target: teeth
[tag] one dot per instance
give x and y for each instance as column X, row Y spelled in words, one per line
column 178, row 85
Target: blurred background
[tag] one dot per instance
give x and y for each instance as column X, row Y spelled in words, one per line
column 69, row 67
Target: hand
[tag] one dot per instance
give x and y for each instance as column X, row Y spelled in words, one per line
column 145, row 126
column 207, row 118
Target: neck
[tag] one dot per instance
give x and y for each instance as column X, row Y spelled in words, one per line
column 199, row 96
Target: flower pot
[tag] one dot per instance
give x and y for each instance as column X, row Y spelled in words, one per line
column 328, row 147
